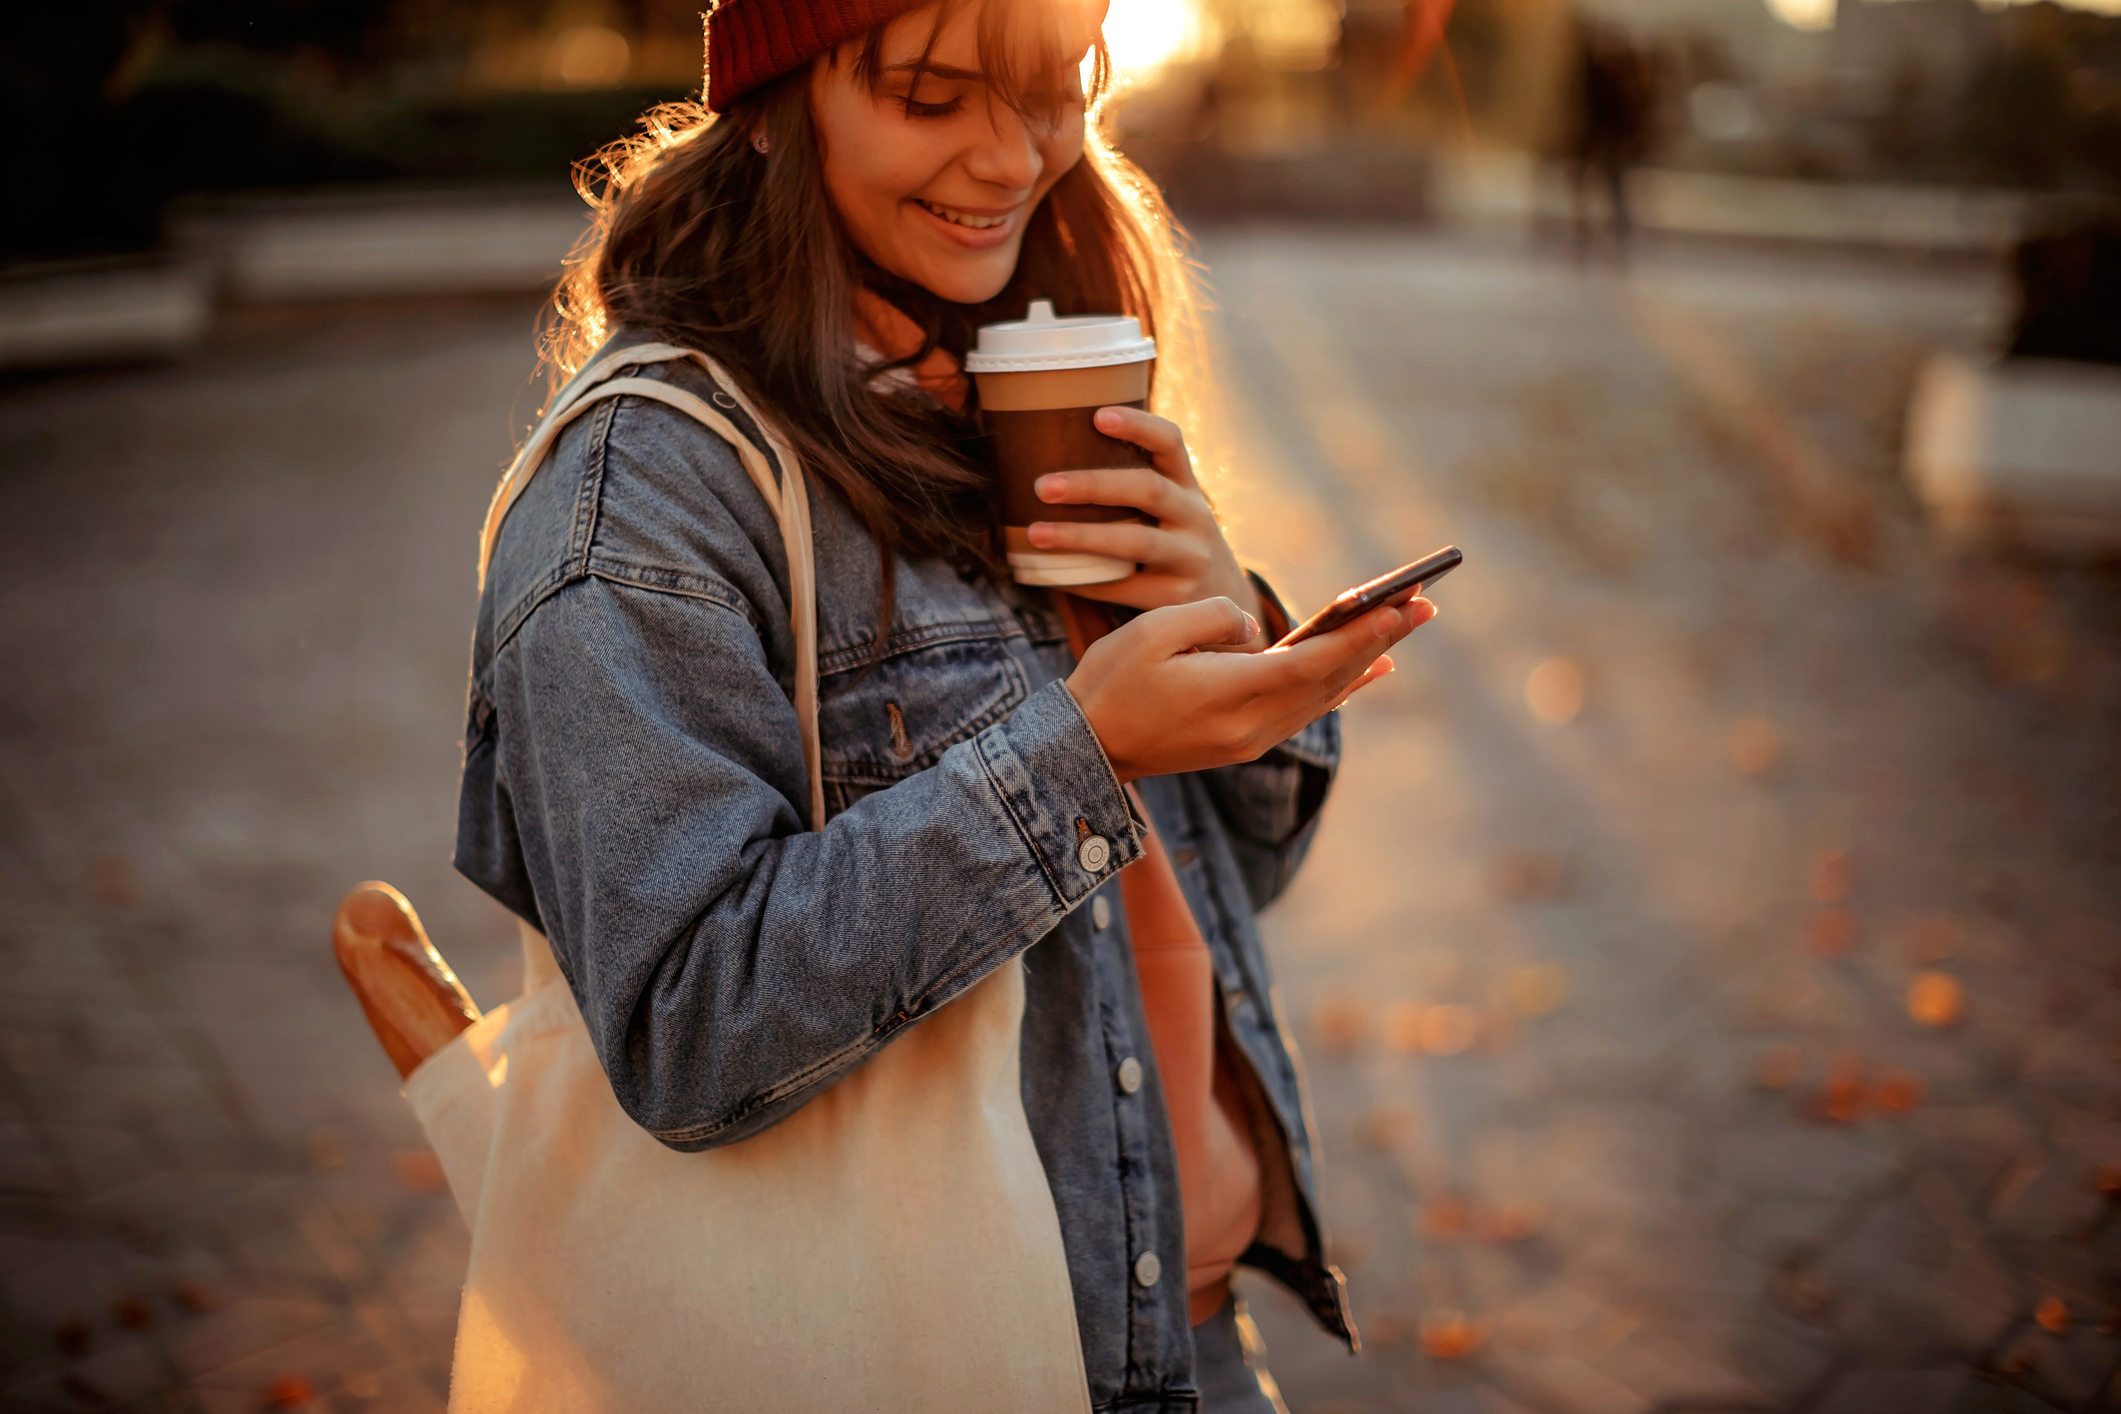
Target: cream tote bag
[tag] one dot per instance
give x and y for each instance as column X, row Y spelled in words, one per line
column 891, row 1246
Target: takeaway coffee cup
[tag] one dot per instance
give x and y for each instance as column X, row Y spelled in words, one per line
column 1041, row 381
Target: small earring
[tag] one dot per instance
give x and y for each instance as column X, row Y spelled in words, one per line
column 758, row 141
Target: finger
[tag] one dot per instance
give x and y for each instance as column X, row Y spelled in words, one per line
column 1412, row 616
column 1383, row 667
column 1131, row 540
column 1158, row 436
column 1346, row 650
column 1137, row 487
column 1206, row 623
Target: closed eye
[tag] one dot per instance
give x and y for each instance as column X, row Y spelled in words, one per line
column 917, row 109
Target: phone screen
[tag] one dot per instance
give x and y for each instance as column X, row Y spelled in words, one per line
column 1397, row 587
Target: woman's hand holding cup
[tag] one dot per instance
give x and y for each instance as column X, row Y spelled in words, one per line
column 1181, row 550
column 1160, row 707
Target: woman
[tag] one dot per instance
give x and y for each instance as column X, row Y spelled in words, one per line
column 873, row 183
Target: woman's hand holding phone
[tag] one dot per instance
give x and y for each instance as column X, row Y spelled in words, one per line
column 1159, row 707
column 1183, row 556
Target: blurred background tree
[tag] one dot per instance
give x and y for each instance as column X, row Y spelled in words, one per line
column 120, row 108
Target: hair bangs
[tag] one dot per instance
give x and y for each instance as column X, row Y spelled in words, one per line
column 1027, row 50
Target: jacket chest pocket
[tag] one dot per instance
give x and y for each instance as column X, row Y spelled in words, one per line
column 881, row 726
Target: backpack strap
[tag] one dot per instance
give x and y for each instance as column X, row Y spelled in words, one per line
column 780, row 483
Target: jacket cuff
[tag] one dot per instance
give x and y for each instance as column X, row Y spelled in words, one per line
column 1316, row 745
column 1053, row 778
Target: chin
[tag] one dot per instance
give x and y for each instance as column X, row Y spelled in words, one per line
column 968, row 282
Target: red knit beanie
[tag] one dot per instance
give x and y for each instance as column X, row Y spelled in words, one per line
column 753, row 42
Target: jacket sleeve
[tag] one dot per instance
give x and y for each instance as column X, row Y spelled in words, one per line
column 730, row 962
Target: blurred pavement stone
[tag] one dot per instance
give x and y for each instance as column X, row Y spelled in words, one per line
column 235, row 599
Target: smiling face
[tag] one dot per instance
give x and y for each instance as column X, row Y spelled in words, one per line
column 934, row 175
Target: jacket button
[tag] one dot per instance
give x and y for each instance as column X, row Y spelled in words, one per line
column 1130, row 1075
column 1147, row 1268
column 1094, row 855
column 1100, row 913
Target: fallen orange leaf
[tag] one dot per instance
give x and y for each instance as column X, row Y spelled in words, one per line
column 1444, row 1217
column 1831, row 877
column 1936, row 998
column 1841, row 1099
column 1832, row 932
column 1512, row 1222
column 288, row 1392
column 1897, row 1092
column 1448, row 1335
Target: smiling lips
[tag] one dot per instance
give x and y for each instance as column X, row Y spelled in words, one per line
column 966, row 219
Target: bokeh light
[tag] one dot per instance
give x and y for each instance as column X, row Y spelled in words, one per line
column 588, row 56
column 1146, row 35
column 1804, row 14
column 1554, row 691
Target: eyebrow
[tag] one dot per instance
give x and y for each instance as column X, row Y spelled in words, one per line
column 941, row 71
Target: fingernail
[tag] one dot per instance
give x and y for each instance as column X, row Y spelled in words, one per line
column 1040, row 533
column 1108, row 417
column 1051, row 488
column 1251, row 628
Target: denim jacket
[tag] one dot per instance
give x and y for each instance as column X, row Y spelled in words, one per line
column 634, row 787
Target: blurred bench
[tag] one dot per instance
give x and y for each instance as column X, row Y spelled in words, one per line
column 2021, row 454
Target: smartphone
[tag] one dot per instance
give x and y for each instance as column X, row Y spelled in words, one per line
column 1397, row 587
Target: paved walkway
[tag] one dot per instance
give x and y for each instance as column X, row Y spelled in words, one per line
column 1708, row 789
column 1708, row 772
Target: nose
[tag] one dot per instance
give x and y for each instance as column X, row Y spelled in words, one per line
column 1007, row 156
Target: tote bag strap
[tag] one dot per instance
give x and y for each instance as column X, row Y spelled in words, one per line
column 780, row 483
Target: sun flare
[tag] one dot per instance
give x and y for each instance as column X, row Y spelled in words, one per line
column 1146, row 35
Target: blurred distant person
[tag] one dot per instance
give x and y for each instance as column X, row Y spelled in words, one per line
column 1608, row 131
column 1426, row 21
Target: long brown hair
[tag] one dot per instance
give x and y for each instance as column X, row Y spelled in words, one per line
column 703, row 241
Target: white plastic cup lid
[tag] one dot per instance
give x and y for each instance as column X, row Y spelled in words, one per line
column 1044, row 341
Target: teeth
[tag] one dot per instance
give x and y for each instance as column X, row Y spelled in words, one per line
column 963, row 218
